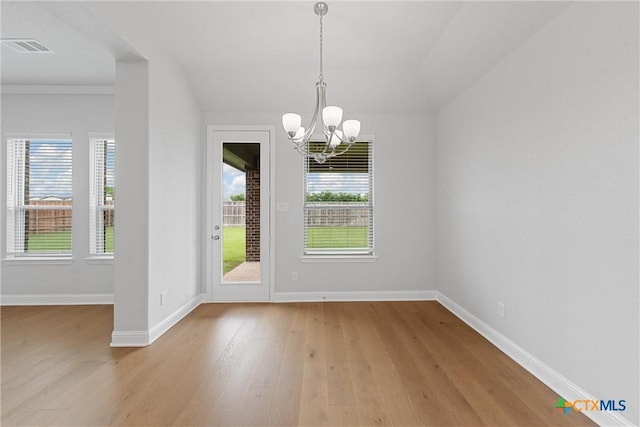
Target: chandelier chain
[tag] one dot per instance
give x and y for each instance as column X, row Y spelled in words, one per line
column 321, row 75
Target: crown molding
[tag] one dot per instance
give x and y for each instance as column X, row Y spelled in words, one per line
column 59, row 89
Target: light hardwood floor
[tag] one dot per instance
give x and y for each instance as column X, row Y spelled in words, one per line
column 359, row 364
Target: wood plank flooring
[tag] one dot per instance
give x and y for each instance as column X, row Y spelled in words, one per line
column 316, row 364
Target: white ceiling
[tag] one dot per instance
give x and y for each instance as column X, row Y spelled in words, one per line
column 382, row 56
column 77, row 59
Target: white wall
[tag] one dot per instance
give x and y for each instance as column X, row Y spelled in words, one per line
column 171, row 256
column 177, row 141
column 57, row 113
column 537, row 198
column 404, row 168
column 131, row 272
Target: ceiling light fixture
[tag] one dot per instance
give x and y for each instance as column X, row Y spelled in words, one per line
column 338, row 141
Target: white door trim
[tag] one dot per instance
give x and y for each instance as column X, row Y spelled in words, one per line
column 208, row 232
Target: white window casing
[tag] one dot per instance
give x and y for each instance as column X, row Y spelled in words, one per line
column 339, row 204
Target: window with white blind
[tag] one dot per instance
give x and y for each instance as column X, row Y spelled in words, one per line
column 338, row 205
column 101, row 195
column 39, row 196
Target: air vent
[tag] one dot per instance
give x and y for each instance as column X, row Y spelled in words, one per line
column 26, row 46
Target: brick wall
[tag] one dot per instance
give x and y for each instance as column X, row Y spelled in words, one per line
column 253, row 214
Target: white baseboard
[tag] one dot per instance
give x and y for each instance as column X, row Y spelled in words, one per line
column 129, row 338
column 355, row 296
column 56, row 299
column 162, row 327
column 144, row 338
column 554, row 380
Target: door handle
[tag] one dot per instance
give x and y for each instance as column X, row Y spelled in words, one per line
column 215, row 237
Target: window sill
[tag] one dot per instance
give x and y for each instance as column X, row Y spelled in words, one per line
column 35, row 260
column 338, row 258
column 99, row 259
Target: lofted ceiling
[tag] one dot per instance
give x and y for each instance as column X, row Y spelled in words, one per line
column 379, row 56
column 76, row 58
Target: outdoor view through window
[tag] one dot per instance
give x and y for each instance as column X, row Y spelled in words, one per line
column 102, row 195
column 241, row 212
column 338, row 205
column 39, row 196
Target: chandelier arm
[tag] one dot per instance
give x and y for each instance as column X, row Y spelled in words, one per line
column 328, row 147
column 323, row 105
column 338, row 153
column 302, row 150
column 306, row 136
column 344, row 139
column 302, row 147
column 320, row 95
column 297, row 143
column 311, row 155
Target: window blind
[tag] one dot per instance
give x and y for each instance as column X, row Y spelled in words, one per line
column 101, row 195
column 338, row 206
column 39, row 196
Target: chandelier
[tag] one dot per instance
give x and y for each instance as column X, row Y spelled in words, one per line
column 337, row 141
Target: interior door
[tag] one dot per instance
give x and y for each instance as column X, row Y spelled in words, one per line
column 238, row 214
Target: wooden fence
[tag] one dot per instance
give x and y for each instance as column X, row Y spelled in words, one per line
column 339, row 215
column 47, row 216
column 316, row 215
column 233, row 213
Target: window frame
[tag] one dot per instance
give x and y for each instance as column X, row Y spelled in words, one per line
column 23, row 256
column 337, row 255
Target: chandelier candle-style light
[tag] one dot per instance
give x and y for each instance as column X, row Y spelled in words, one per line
column 338, row 141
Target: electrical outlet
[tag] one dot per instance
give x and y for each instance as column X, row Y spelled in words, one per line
column 163, row 297
column 294, row 275
column 500, row 309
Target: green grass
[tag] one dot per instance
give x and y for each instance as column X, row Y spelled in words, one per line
column 234, row 246
column 337, row 237
column 55, row 242
column 108, row 240
column 60, row 242
column 234, row 250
